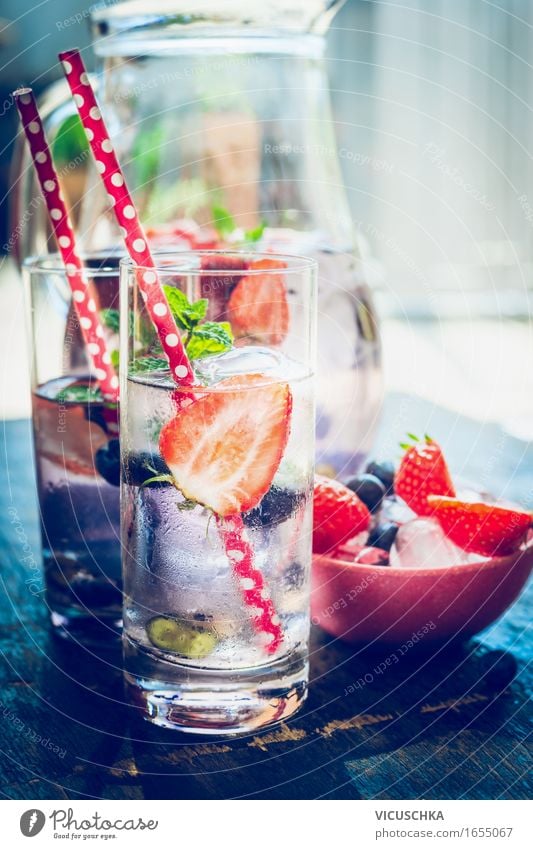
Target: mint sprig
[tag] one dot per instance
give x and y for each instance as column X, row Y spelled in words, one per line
column 209, row 338
column 80, row 393
column 186, row 314
column 143, row 364
column 203, row 338
column 225, row 225
column 111, row 319
column 223, row 221
column 255, row 234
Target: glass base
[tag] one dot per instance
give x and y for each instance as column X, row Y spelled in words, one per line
column 213, row 701
column 87, row 629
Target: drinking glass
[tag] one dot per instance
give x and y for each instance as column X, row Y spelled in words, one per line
column 217, row 490
column 77, row 454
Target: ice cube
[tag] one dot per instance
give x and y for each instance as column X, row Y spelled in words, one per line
column 422, row 543
column 250, row 360
column 396, row 510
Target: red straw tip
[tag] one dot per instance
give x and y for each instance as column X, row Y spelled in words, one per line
column 67, row 54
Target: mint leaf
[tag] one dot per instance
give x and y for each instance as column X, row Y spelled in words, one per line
column 159, row 479
column 70, row 142
column 255, row 234
column 202, row 339
column 210, row 338
column 147, row 153
column 80, row 393
column 143, row 364
column 111, row 319
column 223, row 220
column 187, row 504
column 186, row 315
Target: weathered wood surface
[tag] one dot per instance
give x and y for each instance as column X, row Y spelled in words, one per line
column 452, row 725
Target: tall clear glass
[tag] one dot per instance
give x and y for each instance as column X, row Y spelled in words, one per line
column 234, row 451
column 76, row 452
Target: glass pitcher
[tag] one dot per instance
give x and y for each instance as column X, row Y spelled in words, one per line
column 221, row 118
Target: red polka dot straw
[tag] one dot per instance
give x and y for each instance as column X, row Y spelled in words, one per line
column 126, row 215
column 251, row 582
column 82, row 295
column 238, row 550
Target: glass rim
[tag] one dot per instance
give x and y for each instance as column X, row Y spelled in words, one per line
column 297, row 263
column 53, row 263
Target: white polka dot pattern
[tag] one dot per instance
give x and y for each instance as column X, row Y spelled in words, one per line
column 124, row 210
column 89, row 322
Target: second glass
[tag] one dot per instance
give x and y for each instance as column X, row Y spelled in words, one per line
column 212, row 471
column 77, row 454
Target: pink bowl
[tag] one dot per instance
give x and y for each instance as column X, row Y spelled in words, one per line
column 371, row 604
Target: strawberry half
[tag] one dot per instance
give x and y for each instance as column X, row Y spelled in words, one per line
column 422, row 472
column 258, row 306
column 224, row 449
column 338, row 514
column 217, row 287
column 481, row 528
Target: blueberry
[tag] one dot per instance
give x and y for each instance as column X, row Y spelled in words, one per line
column 294, row 576
column 277, row 505
column 383, row 471
column 107, row 462
column 138, row 468
column 369, row 489
column 382, row 536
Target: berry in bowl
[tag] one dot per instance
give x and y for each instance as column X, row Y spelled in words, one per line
column 400, row 552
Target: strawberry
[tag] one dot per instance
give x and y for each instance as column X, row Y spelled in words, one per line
column 258, row 306
column 216, row 287
column 338, row 514
column 224, row 449
column 479, row 527
column 422, row 472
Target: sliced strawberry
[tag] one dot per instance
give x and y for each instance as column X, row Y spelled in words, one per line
column 338, row 514
column 422, row 472
column 217, row 287
column 258, row 306
column 479, row 527
column 224, row 449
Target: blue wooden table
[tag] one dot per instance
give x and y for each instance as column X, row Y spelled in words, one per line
column 455, row 724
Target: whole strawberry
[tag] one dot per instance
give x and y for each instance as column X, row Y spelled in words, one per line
column 422, row 472
column 338, row 514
